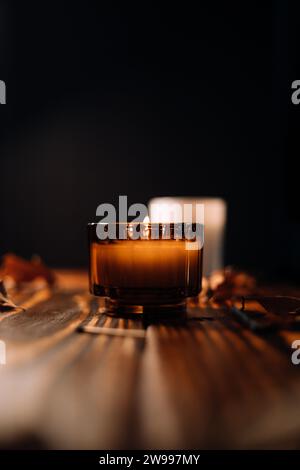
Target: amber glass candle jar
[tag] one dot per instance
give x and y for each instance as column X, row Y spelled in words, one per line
column 155, row 272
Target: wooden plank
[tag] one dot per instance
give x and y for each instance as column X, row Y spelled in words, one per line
column 189, row 384
column 39, row 344
column 92, row 404
column 209, row 387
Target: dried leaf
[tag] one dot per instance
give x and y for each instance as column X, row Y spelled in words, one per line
column 2, row 289
column 280, row 311
column 230, row 283
column 278, row 304
column 5, row 302
column 21, row 270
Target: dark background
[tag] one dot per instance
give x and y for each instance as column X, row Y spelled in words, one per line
column 149, row 99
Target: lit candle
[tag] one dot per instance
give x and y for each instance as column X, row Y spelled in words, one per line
column 145, row 273
column 171, row 209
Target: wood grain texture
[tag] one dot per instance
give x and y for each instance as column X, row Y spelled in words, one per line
column 205, row 382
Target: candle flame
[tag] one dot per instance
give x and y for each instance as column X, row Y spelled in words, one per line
column 146, row 220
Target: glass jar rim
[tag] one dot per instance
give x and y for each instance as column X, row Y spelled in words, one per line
column 130, row 224
column 183, row 230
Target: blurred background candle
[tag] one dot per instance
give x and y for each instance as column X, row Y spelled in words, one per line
column 170, row 209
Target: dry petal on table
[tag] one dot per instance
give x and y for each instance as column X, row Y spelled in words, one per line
column 21, row 270
column 5, row 302
column 278, row 304
column 229, row 283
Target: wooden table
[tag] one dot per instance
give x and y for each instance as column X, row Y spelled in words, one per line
column 207, row 383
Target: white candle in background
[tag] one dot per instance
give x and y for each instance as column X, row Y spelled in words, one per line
column 170, row 209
